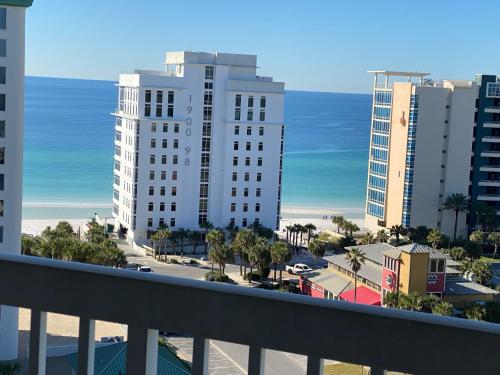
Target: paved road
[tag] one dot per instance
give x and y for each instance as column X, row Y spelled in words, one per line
column 225, row 358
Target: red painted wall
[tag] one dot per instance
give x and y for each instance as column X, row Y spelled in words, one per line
column 309, row 288
column 435, row 282
column 389, row 279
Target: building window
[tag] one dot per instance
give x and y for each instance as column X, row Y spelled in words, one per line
column 174, row 191
column 163, row 174
column 261, row 146
column 233, row 207
column 235, row 161
column 159, row 110
column 150, row 206
column 2, row 184
column 235, row 145
column 261, row 130
column 159, row 97
column 172, row 222
column 262, row 102
column 1, row 234
column 176, row 128
column 248, row 146
column 257, row 207
column 249, row 130
column 147, row 96
column 250, row 101
column 162, row 191
column 147, row 110
column 259, row 177
column 151, row 175
column 236, row 130
column 262, row 115
column 245, row 207
column 2, row 74
column 2, row 129
column 245, row 192
column 165, row 128
column 249, row 115
column 153, row 127
column 151, row 190
column 259, row 162
column 173, row 206
column 232, row 222
column 247, row 161
column 2, row 102
column 233, row 191
column 237, row 114
column 257, row 192
column 153, row 143
column 161, row 222
column 244, row 222
column 235, row 176
column 162, row 206
column 150, row 222
column 175, row 159
column 164, row 143
column 205, row 160
column 174, row 175
column 247, row 176
column 176, row 143
column 209, row 72
column 170, row 97
column 164, row 159
column 3, row 21
column 237, row 102
column 152, row 159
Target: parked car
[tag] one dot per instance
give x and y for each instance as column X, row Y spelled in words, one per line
column 132, row 267
column 145, row 269
column 298, row 268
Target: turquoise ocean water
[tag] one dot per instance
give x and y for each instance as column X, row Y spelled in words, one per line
column 69, row 149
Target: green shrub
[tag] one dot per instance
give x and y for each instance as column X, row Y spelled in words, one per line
column 256, row 274
column 214, row 276
column 193, row 261
column 173, row 261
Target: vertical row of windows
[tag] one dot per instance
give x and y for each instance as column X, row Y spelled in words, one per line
column 410, row 160
column 3, row 80
column 206, row 144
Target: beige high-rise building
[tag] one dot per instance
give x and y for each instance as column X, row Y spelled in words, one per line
column 420, row 150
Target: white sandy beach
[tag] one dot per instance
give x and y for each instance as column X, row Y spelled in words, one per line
column 290, row 215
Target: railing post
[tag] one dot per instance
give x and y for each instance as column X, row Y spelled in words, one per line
column 142, row 351
column 315, row 366
column 200, row 356
column 256, row 360
column 377, row 371
column 38, row 343
column 86, row 347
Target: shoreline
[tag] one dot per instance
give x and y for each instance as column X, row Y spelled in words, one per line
column 290, row 215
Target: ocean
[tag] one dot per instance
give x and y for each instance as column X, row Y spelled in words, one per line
column 68, row 151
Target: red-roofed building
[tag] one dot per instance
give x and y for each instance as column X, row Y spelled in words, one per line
column 364, row 296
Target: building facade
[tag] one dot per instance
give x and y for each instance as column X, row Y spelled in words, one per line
column 485, row 179
column 12, row 31
column 420, row 150
column 201, row 141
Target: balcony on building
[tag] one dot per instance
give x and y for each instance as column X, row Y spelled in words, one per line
column 489, row 197
column 495, row 183
column 491, row 139
column 490, row 154
column 381, row 338
column 489, row 168
column 492, row 124
column 493, row 109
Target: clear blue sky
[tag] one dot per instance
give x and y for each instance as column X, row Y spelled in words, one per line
column 316, row 45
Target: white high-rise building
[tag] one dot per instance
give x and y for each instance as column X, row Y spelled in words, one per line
column 12, row 14
column 202, row 140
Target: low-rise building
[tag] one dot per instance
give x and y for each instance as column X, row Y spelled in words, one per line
column 407, row 269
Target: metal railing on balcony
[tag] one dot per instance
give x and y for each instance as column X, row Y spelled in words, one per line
column 382, row 338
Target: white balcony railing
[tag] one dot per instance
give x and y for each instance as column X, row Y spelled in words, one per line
column 491, row 139
column 382, row 338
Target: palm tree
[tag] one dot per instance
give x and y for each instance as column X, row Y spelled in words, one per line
column 339, row 221
column 350, row 227
column 279, row 256
column 368, row 238
column 494, row 238
column 459, row 203
column 318, row 249
column 397, row 231
column 232, row 230
column 243, row 241
column 216, row 239
column 355, row 257
column 419, row 234
column 259, row 256
column 9, row 368
column 182, row 234
column 205, row 227
column 382, row 236
column 310, row 230
column 434, row 238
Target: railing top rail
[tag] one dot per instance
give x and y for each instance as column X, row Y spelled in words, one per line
column 338, row 330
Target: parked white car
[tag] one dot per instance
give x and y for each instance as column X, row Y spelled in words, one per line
column 298, row 268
